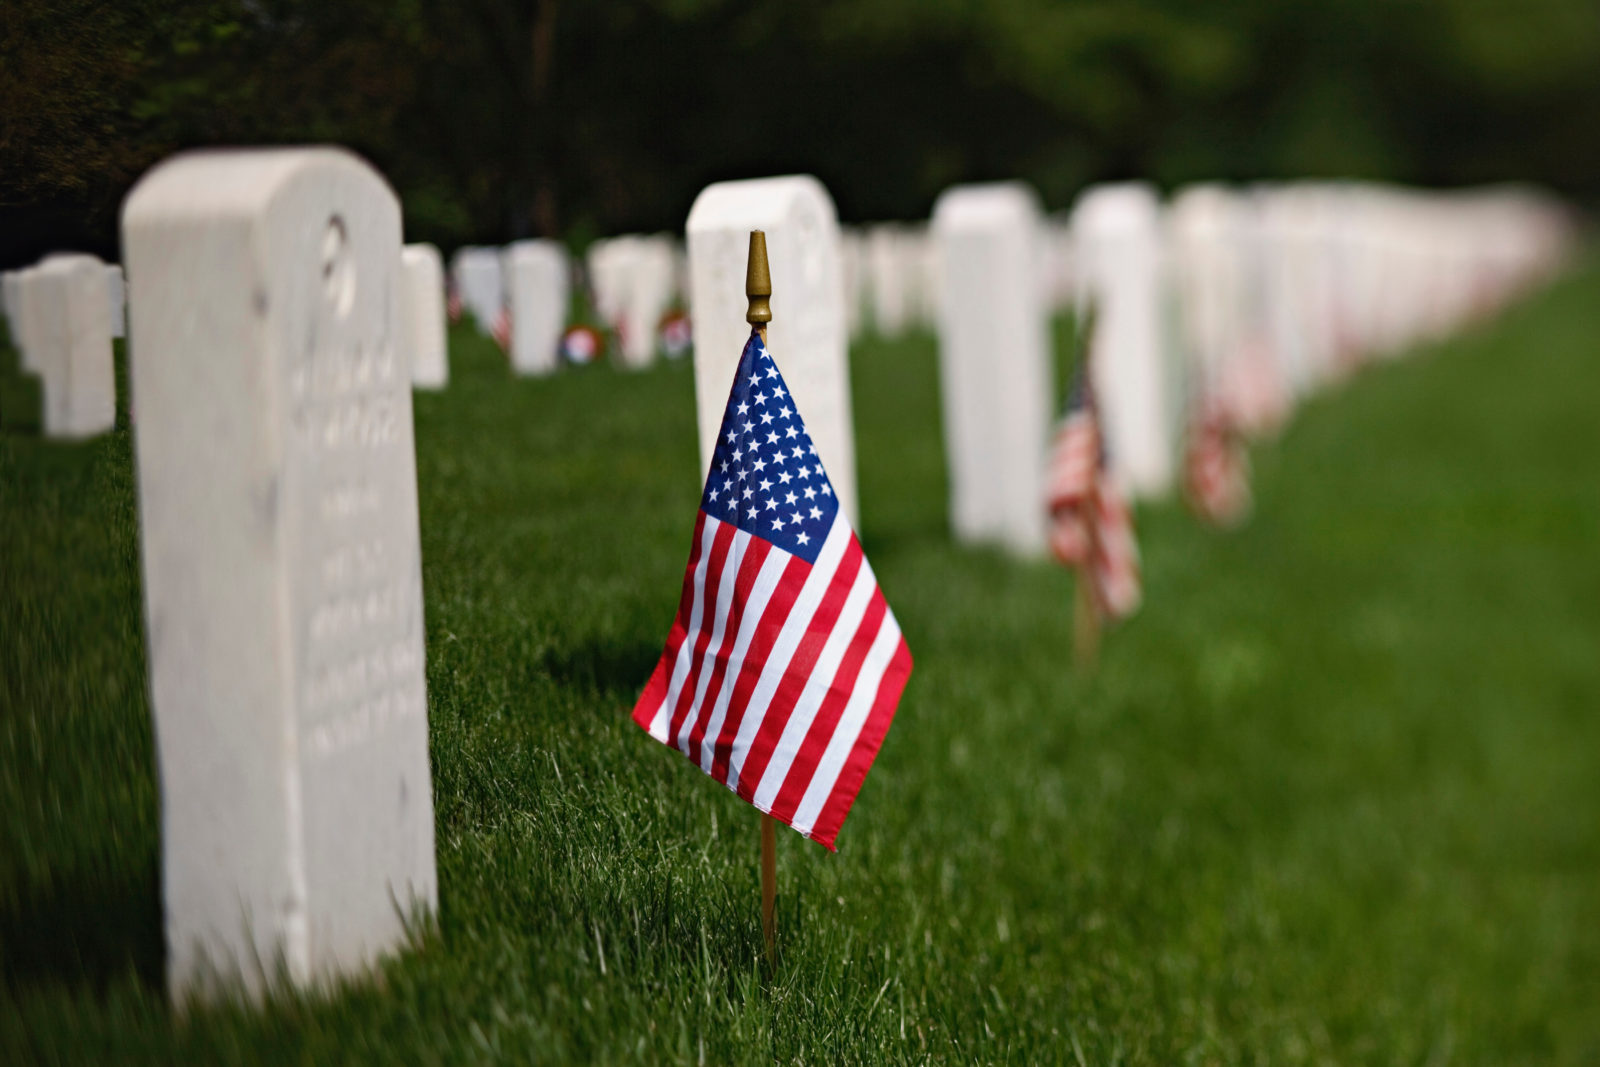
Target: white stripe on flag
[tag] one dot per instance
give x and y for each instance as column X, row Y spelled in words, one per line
column 708, row 659
column 680, row 669
column 772, row 569
column 843, row 741
column 793, row 629
column 817, row 686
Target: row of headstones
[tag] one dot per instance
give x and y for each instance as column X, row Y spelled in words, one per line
column 1326, row 229
column 1245, row 299
column 269, row 345
column 523, row 291
column 61, row 314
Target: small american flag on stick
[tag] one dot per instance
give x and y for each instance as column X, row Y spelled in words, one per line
column 1091, row 527
column 500, row 329
column 452, row 302
column 784, row 664
column 1217, row 466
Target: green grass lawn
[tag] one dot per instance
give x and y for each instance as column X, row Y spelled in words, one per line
column 1333, row 797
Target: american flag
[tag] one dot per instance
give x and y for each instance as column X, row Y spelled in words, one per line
column 784, row 664
column 452, row 302
column 500, row 329
column 1217, row 466
column 1091, row 527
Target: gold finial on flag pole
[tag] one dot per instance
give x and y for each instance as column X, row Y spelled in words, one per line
column 758, row 288
column 758, row 284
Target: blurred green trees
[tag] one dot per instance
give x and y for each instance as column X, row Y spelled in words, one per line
column 500, row 118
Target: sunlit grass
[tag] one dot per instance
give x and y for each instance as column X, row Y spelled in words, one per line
column 1332, row 797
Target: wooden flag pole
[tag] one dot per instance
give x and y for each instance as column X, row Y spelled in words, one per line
column 758, row 289
column 1086, row 620
column 1086, row 616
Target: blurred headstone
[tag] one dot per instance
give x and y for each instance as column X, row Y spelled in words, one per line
column 478, row 281
column 807, row 333
column 282, row 568
column 16, row 291
column 422, row 316
column 1117, row 260
column 68, row 338
column 995, row 369
column 890, row 282
column 538, row 288
column 633, row 278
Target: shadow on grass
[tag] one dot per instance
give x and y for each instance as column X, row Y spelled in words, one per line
column 603, row 666
column 88, row 932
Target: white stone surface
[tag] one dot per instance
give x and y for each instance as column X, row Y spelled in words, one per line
column 1209, row 279
column 68, row 336
column 1118, row 265
column 282, row 569
column 422, row 316
column 634, row 279
column 890, row 283
column 852, row 266
column 807, row 335
column 538, row 288
column 18, row 297
column 477, row 277
column 995, row 369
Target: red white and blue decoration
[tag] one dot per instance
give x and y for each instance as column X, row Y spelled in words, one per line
column 784, row 664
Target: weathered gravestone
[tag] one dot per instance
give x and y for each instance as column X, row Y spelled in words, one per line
column 67, row 342
column 890, row 282
column 422, row 324
column 538, row 284
column 994, row 363
column 1209, row 280
column 807, row 333
column 282, row 571
column 650, row 292
column 1117, row 255
column 479, row 284
column 15, row 289
column 633, row 279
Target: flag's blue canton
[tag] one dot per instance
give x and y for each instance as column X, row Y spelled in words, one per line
column 766, row 477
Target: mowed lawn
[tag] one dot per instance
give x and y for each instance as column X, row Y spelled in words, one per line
column 1332, row 797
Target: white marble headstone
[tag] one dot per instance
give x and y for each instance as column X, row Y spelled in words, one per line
column 282, row 567
column 422, row 316
column 538, row 284
column 19, row 300
column 1118, row 261
column 995, row 370
column 68, row 339
column 1209, row 279
column 890, row 283
column 476, row 274
column 807, row 334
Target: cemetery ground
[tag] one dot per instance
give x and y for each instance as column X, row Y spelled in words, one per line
column 1333, row 796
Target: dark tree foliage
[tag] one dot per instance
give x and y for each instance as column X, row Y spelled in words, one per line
column 502, row 118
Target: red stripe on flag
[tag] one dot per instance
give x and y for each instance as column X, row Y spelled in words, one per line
column 827, row 718
column 865, row 750
column 766, row 635
column 755, row 554
column 776, row 714
column 720, row 545
column 656, row 690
